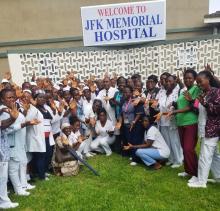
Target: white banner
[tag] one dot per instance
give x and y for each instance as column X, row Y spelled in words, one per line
column 124, row 23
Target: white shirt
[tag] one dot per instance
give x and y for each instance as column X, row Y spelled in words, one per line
column 110, row 110
column 87, row 108
column 165, row 106
column 56, row 122
column 73, row 137
column 102, row 131
column 159, row 143
column 35, row 134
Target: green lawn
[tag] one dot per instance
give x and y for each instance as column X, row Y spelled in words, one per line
column 120, row 187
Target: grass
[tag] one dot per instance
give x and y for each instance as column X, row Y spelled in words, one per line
column 120, row 187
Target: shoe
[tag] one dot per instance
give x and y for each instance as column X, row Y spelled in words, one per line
column 183, row 174
column 169, row 163
column 47, row 178
column 47, row 174
column 157, row 166
column 130, row 158
column 29, row 187
column 88, row 155
column 212, row 181
column 8, row 205
column 196, row 185
column 176, row 166
column 108, row 154
column 22, row 192
column 28, row 177
column 193, row 179
column 92, row 153
column 133, row 163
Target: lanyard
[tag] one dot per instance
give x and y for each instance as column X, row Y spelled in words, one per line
column 127, row 104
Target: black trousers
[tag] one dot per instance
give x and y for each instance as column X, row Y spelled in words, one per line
column 39, row 163
column 49, row 155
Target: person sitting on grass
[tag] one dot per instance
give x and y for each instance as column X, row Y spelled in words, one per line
column 105, row 134
column 79, row 142
column 63, row 163
column 154, row 150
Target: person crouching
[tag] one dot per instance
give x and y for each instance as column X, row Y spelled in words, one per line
column 154, row 150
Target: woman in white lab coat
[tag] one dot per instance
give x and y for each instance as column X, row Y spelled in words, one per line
column 35, row 140
column 16, row 135
column 105, row 134
column 45, row 158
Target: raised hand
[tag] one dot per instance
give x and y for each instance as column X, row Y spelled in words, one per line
column 73, row 105
column 61, row 107
column 25, row 106
column 34, row 122
column 158, row 117
column 154, row 104
column 92, row 122
column 7, row 76
column 136, row 101
column 13, row 111
column 80, row 139
column 52, row 104
column 187, row 96
column 107, row 98
column 208, row 68
column 201, row 98
column 33, row 102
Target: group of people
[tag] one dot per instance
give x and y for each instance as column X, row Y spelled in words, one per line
column 157, row 123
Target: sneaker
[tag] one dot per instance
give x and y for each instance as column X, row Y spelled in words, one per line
column 108, row 154
column 29, row 187
column 212, row 181
column 169, row 163
column 8, row 205
column 193, row 179
column 47, row 178
column 133, row 163
column 47, row 174
column 22, row 192
column 196, row 185
column 183, row 174
column 28, row 177
column 92, row 153
column 175, row 166
column 88, row 155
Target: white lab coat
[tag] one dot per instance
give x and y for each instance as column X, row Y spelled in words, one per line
column 110, row 110
column 35, row 134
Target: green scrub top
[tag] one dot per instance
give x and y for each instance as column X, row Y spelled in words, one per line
column 189, row 117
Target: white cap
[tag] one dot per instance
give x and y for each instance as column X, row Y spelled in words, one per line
column 27, row 90
column 56, row 87
column 85, row 87
column 67, row 88
column 64, row 125
column 33, row 83
column 5, row 80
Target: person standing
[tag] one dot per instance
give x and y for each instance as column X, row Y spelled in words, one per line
column 209, row 153
column 187, row 120
column 168, row 126
column 105, row 95
column 5, row 202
